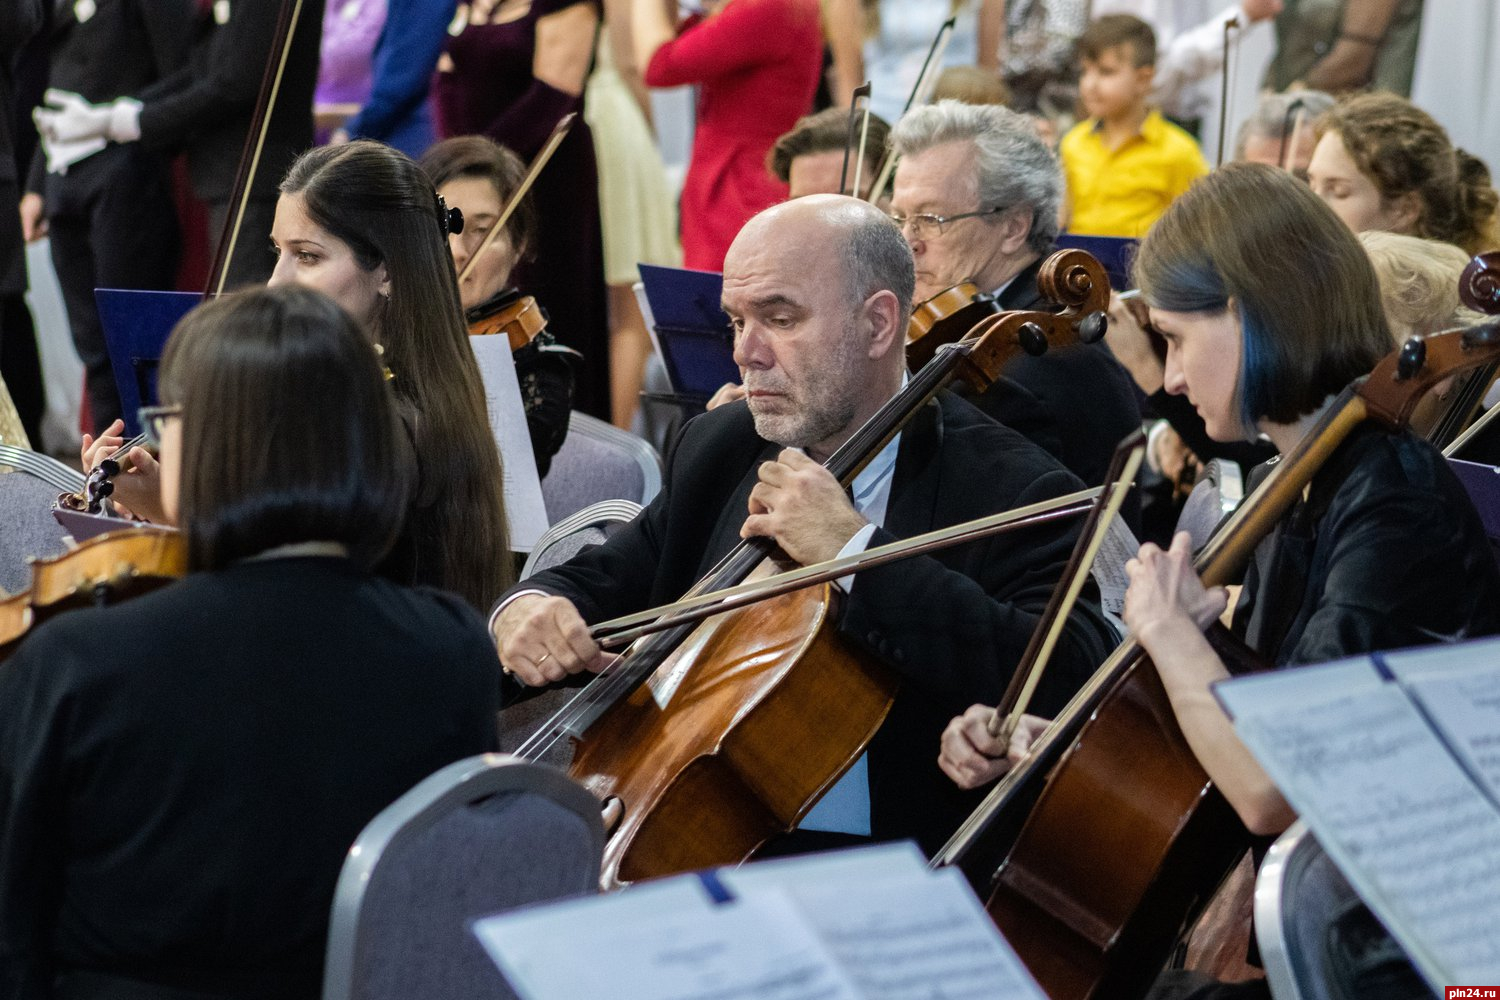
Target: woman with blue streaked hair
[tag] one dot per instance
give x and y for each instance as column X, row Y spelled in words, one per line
column 1270, row 307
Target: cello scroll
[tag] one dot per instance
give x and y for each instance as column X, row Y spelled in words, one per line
column 1070, row 277
column 1479, row 285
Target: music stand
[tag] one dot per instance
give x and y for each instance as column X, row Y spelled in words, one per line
column 1483, row 485
column 1116, row 253
column 692, row 334
column 136, row 325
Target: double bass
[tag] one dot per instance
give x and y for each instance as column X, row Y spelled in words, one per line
column 711, row 739
column 1097, row 851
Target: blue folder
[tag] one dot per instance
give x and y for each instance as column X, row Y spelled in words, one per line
column 136, row 325
column 1116, row 253
column 693, row 333
column 1483, row 484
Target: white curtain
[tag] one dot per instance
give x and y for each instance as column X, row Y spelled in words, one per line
column 1457, row 77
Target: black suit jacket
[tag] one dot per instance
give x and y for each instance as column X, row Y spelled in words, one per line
column 206, row 106
column 951, row 625
column 1076, row 402
column 120, row 49
column 19, row 20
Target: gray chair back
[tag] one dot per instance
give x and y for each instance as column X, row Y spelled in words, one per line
column 1217, row 493
column 27, row 528
column 574, row 533
column 46, row 468
column 480, row 836
column 1297, row 894
column 598, row 461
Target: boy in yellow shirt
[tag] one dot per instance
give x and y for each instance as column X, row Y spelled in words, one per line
column 1126, row 163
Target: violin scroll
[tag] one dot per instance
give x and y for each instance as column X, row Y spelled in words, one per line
column 1479, row 285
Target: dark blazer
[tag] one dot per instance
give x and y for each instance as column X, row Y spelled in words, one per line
column 206, row 107
column 117, row 52
column 182, row 774
column 951, row 625
column 1385, row 552
column 19, row 20
column 1076, row 402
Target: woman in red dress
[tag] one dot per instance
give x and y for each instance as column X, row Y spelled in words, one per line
column 756, row 66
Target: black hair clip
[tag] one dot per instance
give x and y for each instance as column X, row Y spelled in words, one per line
column 450, row 220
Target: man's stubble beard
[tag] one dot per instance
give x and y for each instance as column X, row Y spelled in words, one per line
column 824, row 399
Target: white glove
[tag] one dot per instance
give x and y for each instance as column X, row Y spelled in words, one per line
column 68, row 117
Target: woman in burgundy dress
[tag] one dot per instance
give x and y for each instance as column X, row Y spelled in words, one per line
column 512, row 69
column 756, row 65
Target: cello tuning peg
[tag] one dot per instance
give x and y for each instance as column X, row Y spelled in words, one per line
column 1091, row 328
column 1413, row 357
column 1033, row 339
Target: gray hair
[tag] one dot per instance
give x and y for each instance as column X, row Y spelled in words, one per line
column 877, row 258
column 1015, row 167
column 1272, row 117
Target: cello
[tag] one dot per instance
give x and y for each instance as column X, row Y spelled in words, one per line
column 711, row 739
column 1099, row 848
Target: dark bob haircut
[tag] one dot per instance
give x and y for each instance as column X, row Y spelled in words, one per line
column 289, row 430
column 1306, row 295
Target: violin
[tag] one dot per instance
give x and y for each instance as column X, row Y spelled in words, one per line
column 944, row 318
column 105, row 569
column 1101, row 847
column 710, row 739
column 520, row 321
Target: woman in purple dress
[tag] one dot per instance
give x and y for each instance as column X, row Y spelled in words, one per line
column 512, row 69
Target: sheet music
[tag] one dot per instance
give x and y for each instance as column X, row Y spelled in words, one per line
column 525, row 511
column 1459, row 688
column 1410, row 831
column 866, row 923
column 1118, row 548
column 665, row 941
column 902, row 932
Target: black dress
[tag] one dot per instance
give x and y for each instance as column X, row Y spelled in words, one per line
column 182, row 774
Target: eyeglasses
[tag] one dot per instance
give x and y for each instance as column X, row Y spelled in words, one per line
column 925, row 226
column 153, row 418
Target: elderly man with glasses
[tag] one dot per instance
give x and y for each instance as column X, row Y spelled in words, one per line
column 977, row 195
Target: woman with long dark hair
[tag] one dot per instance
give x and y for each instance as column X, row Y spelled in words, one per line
column 361, row 223
column 183, row 773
